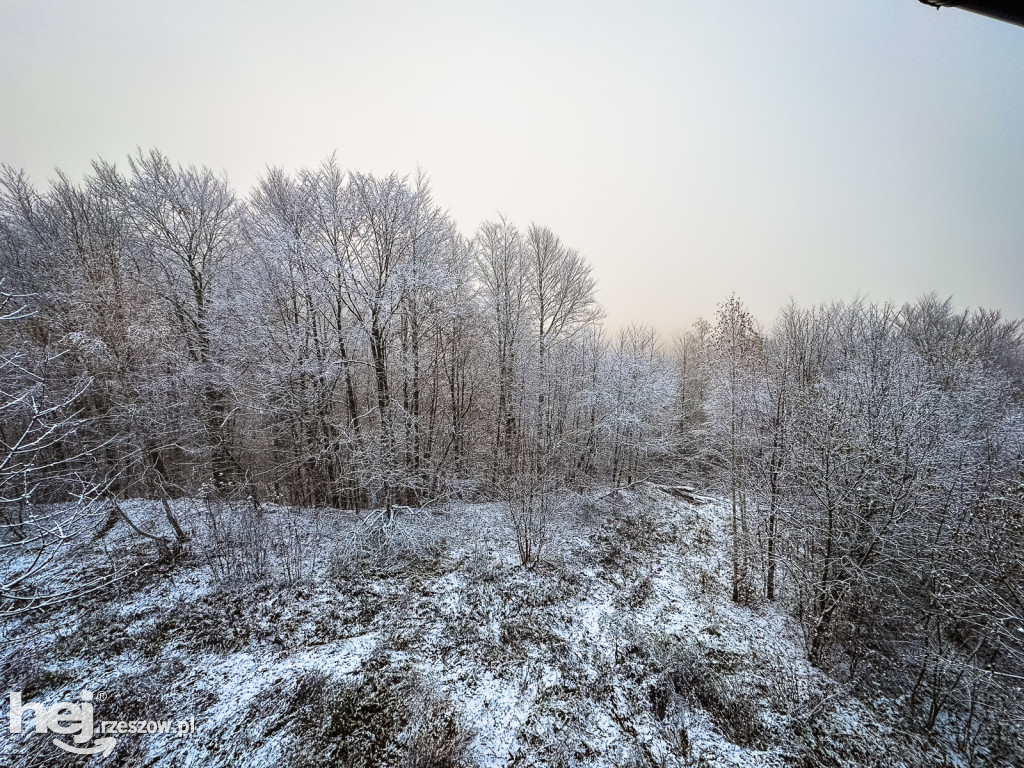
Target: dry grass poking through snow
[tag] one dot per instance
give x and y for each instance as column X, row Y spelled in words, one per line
column 311, row 639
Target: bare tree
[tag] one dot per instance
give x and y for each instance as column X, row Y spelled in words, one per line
column 47, row 497
column 186, row 223
column 503, row 274
column 738, row 347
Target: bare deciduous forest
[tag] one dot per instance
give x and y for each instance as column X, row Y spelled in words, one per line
column 238, row 428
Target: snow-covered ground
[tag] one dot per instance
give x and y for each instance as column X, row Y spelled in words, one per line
column 621, row 648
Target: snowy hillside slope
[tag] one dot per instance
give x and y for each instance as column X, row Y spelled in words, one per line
column 621, row 649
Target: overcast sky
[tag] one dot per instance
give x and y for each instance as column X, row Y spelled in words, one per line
column 814, row 149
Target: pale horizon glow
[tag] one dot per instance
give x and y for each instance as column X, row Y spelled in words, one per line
column 813, row 150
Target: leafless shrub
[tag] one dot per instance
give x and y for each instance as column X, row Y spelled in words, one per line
column 479, row 566
column 538, row 511
column 792, row 692
column 296, row 543
column 236, row 541
column 528, row 509
column 404, row 541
